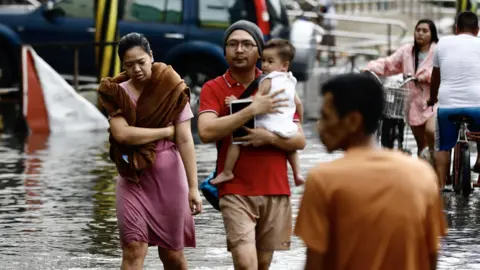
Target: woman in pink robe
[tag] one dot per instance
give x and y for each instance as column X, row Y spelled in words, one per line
column 156, row 211
column 417, row 60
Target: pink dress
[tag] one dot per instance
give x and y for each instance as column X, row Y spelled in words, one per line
column 156, row 211
column 402, row 62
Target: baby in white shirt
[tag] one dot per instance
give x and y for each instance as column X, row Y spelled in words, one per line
column 276, row 59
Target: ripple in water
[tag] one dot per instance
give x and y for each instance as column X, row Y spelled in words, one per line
column 57, row 209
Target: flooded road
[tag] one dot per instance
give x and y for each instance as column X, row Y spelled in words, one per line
column 57, row 209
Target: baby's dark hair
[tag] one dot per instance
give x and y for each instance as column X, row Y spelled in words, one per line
column 285, row 49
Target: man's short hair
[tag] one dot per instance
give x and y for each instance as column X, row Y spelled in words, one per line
column 285, row 49
column 467, row 21
column 357, row 92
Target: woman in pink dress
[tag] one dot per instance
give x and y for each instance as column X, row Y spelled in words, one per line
column 156, row 211
column 417, row 60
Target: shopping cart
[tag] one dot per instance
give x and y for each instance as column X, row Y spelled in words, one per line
column 392, row 127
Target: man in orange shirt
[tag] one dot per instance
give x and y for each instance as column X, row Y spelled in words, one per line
column 373, row 209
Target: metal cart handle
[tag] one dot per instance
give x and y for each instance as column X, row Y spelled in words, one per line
column 374, row 75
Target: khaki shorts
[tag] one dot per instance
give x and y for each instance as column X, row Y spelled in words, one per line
column 265, row 221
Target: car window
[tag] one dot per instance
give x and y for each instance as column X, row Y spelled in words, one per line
column 221, row 13
column 77, row 9
column 174, row 12
column 154, row 11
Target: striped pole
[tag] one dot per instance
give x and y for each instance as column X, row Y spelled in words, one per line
column 463, row 5
column 107, row 15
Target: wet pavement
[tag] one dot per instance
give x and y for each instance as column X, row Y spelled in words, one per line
column 57, row 209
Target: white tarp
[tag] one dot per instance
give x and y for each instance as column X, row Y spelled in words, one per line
column 67, row 110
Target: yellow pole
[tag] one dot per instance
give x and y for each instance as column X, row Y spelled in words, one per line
column 107, row 15
column 463, row 5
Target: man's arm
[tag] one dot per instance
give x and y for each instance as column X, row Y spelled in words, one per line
column 260, row 137
column 313, row 221
column 212, row 128
column 434, row 86
column 435, row 78
column 294, row 143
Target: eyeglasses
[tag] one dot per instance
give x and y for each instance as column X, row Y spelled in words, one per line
column 246, row 45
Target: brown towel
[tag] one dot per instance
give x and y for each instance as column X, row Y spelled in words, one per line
column 162, row 100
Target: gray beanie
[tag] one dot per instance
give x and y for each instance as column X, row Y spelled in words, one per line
column 249, row 27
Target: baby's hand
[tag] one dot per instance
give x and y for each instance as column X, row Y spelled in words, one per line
column 229, row 100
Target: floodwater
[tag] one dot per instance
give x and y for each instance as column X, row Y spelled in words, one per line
column 57, row 209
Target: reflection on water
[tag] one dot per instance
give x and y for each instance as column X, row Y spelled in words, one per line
column 57, row 209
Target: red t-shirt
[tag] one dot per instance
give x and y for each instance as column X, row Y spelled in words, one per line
column 258, row 170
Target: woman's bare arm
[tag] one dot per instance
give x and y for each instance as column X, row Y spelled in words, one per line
column 129, row 135
column 186, row 147
column 390, row 65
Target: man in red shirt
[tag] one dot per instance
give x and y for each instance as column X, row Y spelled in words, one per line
column 255, row 205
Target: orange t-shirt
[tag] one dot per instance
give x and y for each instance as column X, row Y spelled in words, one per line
column 372, row 210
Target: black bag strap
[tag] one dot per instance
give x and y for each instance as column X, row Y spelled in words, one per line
column 251, row 87
column 247, row 93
